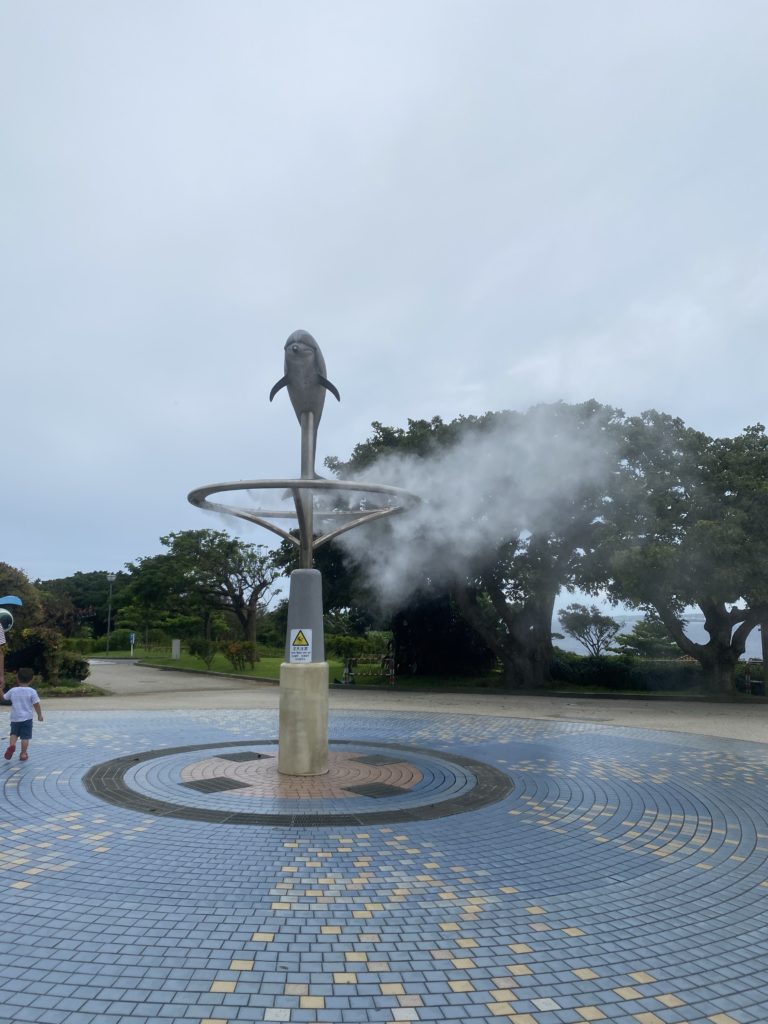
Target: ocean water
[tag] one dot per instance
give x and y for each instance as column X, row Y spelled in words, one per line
column 694, row 629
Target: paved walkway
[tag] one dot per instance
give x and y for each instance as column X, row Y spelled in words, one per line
column 536, row 861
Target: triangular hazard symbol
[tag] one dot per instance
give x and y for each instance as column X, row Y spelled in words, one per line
column 300, row 640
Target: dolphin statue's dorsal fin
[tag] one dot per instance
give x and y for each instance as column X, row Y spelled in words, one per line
column 327, row 385
column 280, row 384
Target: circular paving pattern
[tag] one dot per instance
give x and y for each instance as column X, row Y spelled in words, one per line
column 365, row 783
column 622, row 878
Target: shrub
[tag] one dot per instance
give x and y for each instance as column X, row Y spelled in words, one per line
column 119, row 640
column 80, row 644
column 36, row 648
column 205, row 650
column 73, row 667
column 624, row 672
column 240, row 654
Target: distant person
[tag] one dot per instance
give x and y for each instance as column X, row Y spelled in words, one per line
column 22, row 699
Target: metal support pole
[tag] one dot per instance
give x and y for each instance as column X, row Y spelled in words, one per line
column 111, row 577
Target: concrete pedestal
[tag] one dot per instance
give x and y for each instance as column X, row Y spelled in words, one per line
column 303, row 747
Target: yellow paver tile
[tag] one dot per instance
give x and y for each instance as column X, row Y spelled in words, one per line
column 500, row 1009
column 626, row 992
column 585, row 973
column 241, row 965
column 345, row 978
column 223, row 986
column 312, row 1002
column 461, row 986
column 643, row 977
column 723, row 1018
column 670, row 1000
column 410, row 1000
column 591, row 1013
column 650, row 1018
column 391, row 988
column 262, row 937
column 519, row 969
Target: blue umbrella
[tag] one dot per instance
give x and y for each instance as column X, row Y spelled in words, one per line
column 11, row 600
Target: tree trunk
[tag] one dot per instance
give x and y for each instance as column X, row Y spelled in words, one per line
column 522, row 641
column 719, row 657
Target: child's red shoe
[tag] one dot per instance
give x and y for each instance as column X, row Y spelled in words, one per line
column 9, row 752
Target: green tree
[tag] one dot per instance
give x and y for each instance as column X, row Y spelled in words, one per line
column 536, row 502
column 16, row 582
column 82, row 599
column 649, row 639
column 589, row 626
column 688, row 529
column 204, row 572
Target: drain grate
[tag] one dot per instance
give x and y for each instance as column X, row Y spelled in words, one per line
column 214, row 785
column 377, row 790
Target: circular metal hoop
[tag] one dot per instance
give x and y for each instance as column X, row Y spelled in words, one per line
column 302, row 491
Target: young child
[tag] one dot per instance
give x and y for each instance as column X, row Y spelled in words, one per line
column 22, row 699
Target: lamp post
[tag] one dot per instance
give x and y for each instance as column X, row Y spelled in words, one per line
column 111, row 577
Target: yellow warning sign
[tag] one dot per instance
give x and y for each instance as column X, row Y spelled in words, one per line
column 300, row 646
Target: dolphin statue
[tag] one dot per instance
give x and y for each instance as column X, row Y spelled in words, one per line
column 306, row 381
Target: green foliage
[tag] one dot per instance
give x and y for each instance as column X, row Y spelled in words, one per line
column 14, row 581
column 649, row 639
column 688, row 528
column 507, row 593
column 81, row 599
column 374, row 645
column 628, row 674
column 240, row 654
column 119, row 640
column 206, row 650
column 203, row 574
column 431, row 638
column 73, row 667
column 589, row 626
column 78, row 644
column 37, row 648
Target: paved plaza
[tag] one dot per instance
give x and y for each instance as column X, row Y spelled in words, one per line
column 460, row 863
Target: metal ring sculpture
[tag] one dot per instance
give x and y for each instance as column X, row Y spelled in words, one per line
column 302, row 491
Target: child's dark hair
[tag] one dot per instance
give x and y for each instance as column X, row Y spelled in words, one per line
column 25, row 676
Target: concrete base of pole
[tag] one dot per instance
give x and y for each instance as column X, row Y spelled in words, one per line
column 303, row 746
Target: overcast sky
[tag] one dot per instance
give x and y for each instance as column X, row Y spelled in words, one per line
column 471, row 205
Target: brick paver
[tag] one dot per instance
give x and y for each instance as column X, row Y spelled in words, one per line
column 624, row 878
